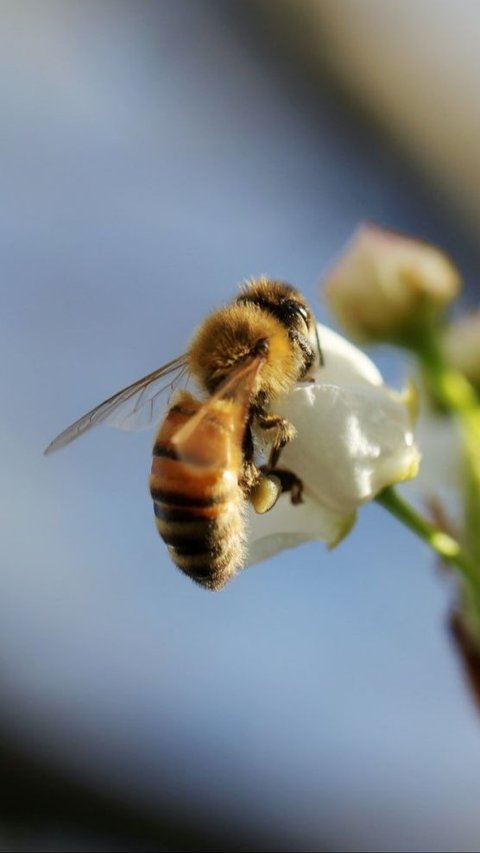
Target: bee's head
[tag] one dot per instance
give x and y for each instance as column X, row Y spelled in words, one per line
column 288, row 305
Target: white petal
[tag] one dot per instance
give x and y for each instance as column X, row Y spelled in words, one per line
column 344, row 362
column 352, row 442
column 286, row 526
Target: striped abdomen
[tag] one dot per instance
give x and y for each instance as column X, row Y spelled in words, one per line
column 194, row 485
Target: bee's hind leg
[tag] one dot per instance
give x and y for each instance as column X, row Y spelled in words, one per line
column 289, row 482
column 263, row 486
column 260, row 490
column 271, row 483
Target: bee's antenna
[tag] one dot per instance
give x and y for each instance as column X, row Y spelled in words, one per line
column 320, row 352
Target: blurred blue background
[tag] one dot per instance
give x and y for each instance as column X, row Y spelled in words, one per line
column 152, row 156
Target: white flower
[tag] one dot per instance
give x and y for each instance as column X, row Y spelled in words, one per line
column 354, row 438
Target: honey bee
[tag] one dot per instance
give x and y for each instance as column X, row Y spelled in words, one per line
column 244, row 357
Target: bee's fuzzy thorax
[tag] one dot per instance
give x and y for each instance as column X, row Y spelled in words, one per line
column 229, row 335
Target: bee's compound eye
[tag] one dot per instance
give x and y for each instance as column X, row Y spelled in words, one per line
column 296, row 309
column 303, row 312
column 261, row 347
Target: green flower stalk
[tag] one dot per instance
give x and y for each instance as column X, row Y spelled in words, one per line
column 454, row 393
column 393, row 289
column 442, row 543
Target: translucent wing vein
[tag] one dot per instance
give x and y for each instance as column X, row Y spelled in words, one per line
column 132, row 408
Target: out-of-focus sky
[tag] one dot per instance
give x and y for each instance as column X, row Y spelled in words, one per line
column 152, row 156
column 413, row 66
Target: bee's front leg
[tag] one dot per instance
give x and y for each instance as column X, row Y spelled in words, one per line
column 283, row 432
column 307, row 350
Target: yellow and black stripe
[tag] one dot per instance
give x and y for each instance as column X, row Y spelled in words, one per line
column 197, row 501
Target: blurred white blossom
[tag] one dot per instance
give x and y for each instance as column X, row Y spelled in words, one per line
column 461, row 341
column 439, row 485
column 354, row 439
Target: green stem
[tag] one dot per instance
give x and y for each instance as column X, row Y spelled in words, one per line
column 455, row 394
column 445, row 545
column 449, row 387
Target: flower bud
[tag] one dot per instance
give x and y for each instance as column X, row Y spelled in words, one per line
column 388, row 287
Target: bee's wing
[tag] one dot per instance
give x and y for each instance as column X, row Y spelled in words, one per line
column 238, row 389
column 134, row 407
